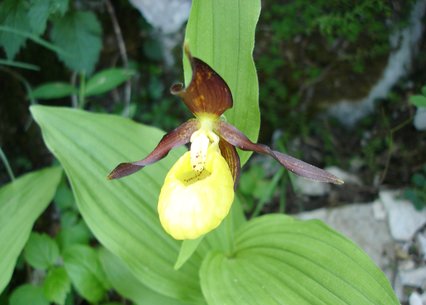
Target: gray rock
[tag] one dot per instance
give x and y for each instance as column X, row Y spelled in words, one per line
column 404, row 220
column 414, row 277
column 420, row 119
column 421, row 240
column 399, row 289
column 379, row 210
column 345, row 176
column 167, row 18
column 415, row 299
column 311, row 188
column 166, row 15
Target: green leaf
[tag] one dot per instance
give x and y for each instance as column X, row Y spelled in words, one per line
column 41, row 251
column 418, row 100
column 13, row 14
column 128, row 285
column 38, row 13
column 60, row 6
column 33, row 37
column 106, row 80
column 69, row 219
column 279, row 260
column 76, row 234
column 64, row 197
column 53, row 90
column 57, row 285
column 28, row 294
column 79, row 35
column 21, row 203
column 86, row 274
column 221, row 33
column 424, row 90
column 122, row 214
column 187, row 248
column 418, row 180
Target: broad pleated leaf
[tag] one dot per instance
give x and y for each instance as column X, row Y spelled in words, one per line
column 124, row 282
column 122, row 214
column 221, row 33
column 279, row 260
column 21, row 203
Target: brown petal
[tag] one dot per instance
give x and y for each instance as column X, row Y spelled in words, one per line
column 231, row 156
column 235, row 137
column 177, row 137
column 207, row 92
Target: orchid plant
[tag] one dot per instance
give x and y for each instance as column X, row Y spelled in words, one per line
column 272, row 259
column 199, row 189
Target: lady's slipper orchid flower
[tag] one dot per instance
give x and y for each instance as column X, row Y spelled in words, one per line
column 199, row 189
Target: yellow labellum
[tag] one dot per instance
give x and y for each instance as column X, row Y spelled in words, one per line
column 193, row 203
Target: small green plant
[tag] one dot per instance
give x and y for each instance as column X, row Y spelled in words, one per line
column 420, row 99
column 75, row 35
column 98, row 84
column 256, row 190
column 417, row 192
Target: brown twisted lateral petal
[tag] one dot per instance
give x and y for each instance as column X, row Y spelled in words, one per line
column 230, row 154
column 207, row 91
column 177, row 137
column 235, row 137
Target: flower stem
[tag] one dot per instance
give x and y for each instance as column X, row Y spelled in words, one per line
column 7, row 165
column 82, row 91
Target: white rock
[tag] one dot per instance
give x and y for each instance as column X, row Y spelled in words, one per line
column 379, row 210
column 399, row 288
column 166, row 15
column 415, row 299
column 414, row 277
column 420, row 119
column 345, row 176
column 166, row 18
column 406, row 265
column 421, row 239
column 311, row 188
column 404, row 220
column 321, row 214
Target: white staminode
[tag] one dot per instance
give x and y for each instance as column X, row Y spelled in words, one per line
column 200, row 142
